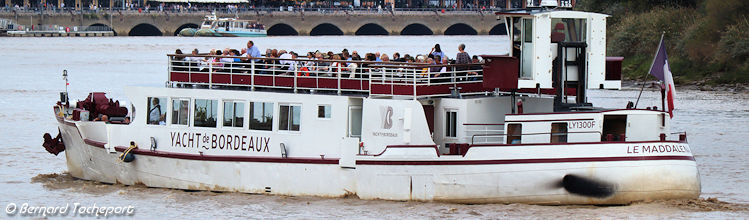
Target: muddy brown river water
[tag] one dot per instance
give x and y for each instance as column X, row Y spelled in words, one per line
column 717, row 124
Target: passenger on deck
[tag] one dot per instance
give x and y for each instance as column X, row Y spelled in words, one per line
column 227, row 59
column 397, row 57
column 286, row 62
column 385, row 58
column 476, row 68
column 177, row 61
column 462, row 58
column 336, row 65
column 194, row 61
column 253, row 51
column 103, row 118
column 436, row 51
column 435, row 61
column 354, row 53
column 345, row 55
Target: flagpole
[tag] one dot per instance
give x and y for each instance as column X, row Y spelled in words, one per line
column 639, row 95
column 656, row 52
column 662, row 84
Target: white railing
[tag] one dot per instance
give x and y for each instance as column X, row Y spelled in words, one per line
column 484, row 133
column 373, row 78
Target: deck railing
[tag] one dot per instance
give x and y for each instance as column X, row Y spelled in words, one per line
column 476, row 137
column 484, row 133
column 358, row 77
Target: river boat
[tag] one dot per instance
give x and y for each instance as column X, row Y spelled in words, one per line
column 515, row 129
column 213, row 26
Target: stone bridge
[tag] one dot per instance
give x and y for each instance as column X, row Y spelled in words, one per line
column 280, row 23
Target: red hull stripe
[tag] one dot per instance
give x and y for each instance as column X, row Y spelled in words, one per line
column 219, row 157
column 522, row 161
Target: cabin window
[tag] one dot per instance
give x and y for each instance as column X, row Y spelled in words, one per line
column 323, row 111
column 355, row 121
column 180, row 111
column 573, row 28
column 290, row 117
column 233, row 114
column 451, row 124
column 261, row 116
column 514, row 133
column 156, row 113
column 526, row 47
column 559, row 132
column 614, row 127
column 528, row 30
column 205, row 113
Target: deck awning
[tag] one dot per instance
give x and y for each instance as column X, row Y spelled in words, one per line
column 204, row 1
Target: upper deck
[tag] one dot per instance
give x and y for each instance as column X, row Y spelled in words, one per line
column 557, row 52
column 360, row 78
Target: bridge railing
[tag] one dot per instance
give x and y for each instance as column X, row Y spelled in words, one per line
column 413, row 80
column 264, row 10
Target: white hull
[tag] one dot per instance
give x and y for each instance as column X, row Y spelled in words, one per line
column 475, row 178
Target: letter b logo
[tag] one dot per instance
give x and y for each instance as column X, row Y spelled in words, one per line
column 387, row 119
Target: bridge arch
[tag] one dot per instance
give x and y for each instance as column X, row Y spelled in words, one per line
column 371, row 29
column 282, row 29
column 325, row 29
column 498, row 30
column 145, row 29
column 416, row 29
column 460, row 29
column 100, row 27
column 188, row 25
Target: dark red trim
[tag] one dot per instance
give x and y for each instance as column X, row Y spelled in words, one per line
column 521, row 161
column 587, row 112
column 576, row 143
column 409, row 146
column 547, row 120
column 511, row 13
column 94, row 143
column 221, row 157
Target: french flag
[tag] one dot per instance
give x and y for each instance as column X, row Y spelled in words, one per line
column 661, row 70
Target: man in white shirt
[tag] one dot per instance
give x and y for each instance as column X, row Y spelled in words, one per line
column 287, row 60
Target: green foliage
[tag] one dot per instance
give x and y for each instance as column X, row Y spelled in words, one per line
column 707, row 40
column 641, row 33
column 733, row 47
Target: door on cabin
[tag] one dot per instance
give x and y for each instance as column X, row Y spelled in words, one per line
column 614, row 128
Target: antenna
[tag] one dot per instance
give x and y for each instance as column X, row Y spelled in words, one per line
column 65, row 77
column 64, row 96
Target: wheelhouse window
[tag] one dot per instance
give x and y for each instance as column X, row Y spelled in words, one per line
column 233, row 114
column 180, row 111
column 290, row 117
column 559, row 132
column 527, row 49
column 451, row 124
column 156, row 113
column 514, row 133
column 261, row 116
column 205, row 113
column 573, row 28
column 323, row 111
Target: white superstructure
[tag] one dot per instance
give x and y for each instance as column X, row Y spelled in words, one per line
column 515, row 129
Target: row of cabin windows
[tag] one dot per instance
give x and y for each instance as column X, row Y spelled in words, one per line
column 558, row 133
column 205, row 113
